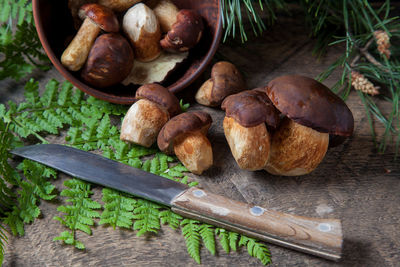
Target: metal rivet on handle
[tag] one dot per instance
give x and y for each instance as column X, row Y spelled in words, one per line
column 199, row 193
column 324, row 227
column 257, row 211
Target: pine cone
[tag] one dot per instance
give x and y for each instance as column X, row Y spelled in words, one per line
column 383, row 42
column 360, row 82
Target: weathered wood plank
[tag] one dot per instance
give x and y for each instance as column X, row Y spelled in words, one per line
column 352, row 183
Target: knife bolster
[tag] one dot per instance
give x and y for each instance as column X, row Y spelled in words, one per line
column 320, row 237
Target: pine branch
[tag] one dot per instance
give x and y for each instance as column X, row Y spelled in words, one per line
column 232, row 15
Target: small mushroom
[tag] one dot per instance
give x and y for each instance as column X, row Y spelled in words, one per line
column 313, row 112
column 185, row 135
column 247, row 114
column 143, row 30
column 95, row 18
column 118, row 5
column 109, row 62
column 225, row 80
column 184, row 27
column 146, row 117
column 166, row 13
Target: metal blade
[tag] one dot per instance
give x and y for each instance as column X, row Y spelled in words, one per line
column 100, row 170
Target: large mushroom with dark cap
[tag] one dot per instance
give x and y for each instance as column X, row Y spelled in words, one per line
column 185, row 135
column 95, row 18
column 249, row 114
column 109, row 62
column 145, row 118
column 183, row 28
column 313, row 112
column 225, row 80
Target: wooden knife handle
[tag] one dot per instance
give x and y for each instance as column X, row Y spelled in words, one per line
column 320, row 237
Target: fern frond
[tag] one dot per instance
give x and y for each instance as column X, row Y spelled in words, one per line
column 223, row 239
column 3, row 242
column 256, row 249
column 208, row 237
column 79, row 215
column 118, row 209
column 146, row 215
column 171, row 218
column 35, row 172
column 190, row 231
column 16, row 9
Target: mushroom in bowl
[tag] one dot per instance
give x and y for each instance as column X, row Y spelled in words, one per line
column 56, row 27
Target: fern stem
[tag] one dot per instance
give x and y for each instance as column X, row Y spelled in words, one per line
column 44, row 141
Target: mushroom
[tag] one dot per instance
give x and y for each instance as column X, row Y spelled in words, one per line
column 184, row 27
column 95, row 18
column 141, row 26
column 247, row 114
column 313, row 112
column 109, row 62
column 118, row 5
column 145, row 118
column 225, row 80
column 185, row 135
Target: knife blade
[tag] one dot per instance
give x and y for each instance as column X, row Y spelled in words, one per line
column 319, row 237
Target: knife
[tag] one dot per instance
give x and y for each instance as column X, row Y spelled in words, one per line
column 319, row 237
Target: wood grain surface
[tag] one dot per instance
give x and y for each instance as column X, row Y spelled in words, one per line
column 353, row 182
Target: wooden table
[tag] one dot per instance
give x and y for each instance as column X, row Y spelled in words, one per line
column 353, row 182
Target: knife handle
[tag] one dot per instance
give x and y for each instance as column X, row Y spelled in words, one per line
column 320, row 237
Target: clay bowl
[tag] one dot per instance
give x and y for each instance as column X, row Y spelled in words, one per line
column 55, row 28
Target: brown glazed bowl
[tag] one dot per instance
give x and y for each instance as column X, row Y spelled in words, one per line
column 55, row 28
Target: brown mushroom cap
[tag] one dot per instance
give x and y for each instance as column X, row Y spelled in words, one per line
column 227, row 80
column 251, row 108
column 312, row 104
column 109, row 62
column 186, row 122
column 186, row 32
column 160, row 95
column 101, row 15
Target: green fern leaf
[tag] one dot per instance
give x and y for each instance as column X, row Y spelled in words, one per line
column 223, row 239
column 256, row 249
column 171, row 218
column 207, row 234
column 146, row 215
column 190, row 231
column 79, row 215
column 118, row 209
column 233, row 240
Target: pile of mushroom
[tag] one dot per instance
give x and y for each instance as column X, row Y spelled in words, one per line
column 185, row 136
column 110, row 60
column 145, row 118
column 310, row 113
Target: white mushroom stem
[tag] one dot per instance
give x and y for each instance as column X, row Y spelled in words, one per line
column 249, row 145
column 203, row 95
column 166, row 13
column 143, row 122
column 296, row 149
column 118, row 5
column 194, row 151
column 76, row 53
